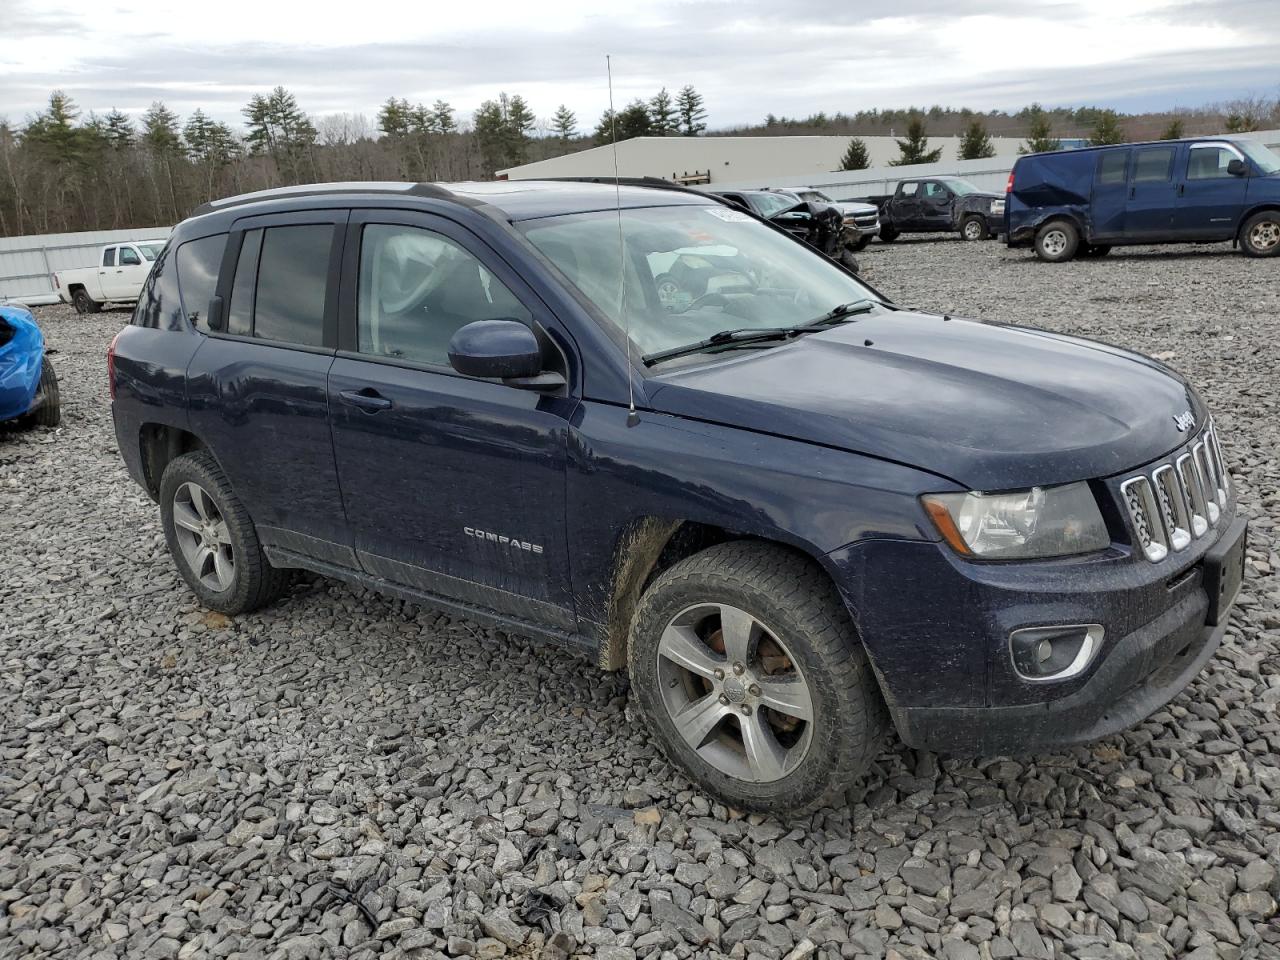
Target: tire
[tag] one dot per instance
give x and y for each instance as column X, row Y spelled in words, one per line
column 861, row 243
column 1096, row 250
column 49, row 413
column 795, row 617
column 85, row 303
column 974, row 228
column 888, row 234
column 1057, row 241
column 849, row 260
column 239, row 578
column 1260, row 235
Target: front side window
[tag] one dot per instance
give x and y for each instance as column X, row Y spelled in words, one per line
column 293, row 275
column 1209, row 162
column 935, row 191
column 417, row 288
column 109, row 257
column 909, row 189
column 198, row 263
column 1153, row 165
column 961, row 188
column 1113, row 167
column 129, row 257
column 690, row 271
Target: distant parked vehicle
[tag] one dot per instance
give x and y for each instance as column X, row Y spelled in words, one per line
column 1084, row 202
column 117, row 277
column 939, row 205
column 861, row 220
column 28, row 384
column 818, row 223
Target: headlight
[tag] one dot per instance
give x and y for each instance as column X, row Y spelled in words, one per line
column 997, row 207
column 1040, row 522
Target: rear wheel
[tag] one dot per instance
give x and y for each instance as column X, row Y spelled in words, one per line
column 974, row 228
column 1057, row 241
column 1260, row 235
column 751, row 678
column 49, row 412
column 85, row 303
column 212, row 539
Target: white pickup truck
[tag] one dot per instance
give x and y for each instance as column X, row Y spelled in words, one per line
column 118, row 276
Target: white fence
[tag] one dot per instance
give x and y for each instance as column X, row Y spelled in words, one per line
column 27, row 262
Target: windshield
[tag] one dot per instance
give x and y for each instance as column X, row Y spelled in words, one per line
column 961, row 188
column 150, row 250
column 774, row 203
column 691, row 271
column 1267, row 161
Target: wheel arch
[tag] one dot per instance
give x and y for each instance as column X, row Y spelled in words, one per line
column 158, row 445
column 1253, row 211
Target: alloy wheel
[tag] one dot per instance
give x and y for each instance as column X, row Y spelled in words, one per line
column 734, row 693
column 1265, row 235
column 972, row 230
column 203, row 537
column 1054, row 243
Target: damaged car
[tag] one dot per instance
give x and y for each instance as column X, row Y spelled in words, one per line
column 821, row 223
column 28, row 383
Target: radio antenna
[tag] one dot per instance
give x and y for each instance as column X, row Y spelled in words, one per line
column 632, row 417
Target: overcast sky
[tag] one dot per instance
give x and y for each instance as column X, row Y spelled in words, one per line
column 747, row 57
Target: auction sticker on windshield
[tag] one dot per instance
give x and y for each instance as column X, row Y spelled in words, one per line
column 730, row 216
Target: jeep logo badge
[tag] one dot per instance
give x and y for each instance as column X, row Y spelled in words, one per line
column 1184, row 421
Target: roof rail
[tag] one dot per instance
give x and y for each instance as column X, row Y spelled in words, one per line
column 433, row 190
column 656, row 183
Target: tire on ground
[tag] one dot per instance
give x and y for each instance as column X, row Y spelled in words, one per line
column 974, row 228
column 1057, row 241
column 85, row 303
column 799, row 603
column 1260, row 235
column 255, row 582
column 49, row 413
column 888, row 234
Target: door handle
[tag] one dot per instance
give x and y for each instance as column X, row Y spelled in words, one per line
column 1133, row 192
column 368, row 399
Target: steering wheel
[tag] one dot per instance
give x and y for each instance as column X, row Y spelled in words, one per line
column 706, row 300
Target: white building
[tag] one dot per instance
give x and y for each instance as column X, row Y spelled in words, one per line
column 730, row 159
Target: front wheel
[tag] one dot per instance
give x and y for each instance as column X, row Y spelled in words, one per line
column 752, row 679
column 974, row 228
column 1057, row 241
column 1260, row 235
column 888, row 234
column 212, row 539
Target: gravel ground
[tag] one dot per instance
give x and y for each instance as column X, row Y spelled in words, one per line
column 347, row 775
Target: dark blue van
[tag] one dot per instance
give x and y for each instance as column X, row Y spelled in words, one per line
column 1084, row 202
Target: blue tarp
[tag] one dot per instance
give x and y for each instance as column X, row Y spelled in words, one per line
column 19, row 361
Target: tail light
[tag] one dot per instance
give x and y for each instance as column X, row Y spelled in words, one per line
column 1009, row 187
column 111, row 365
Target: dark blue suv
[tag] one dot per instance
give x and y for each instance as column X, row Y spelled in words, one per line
column 1084, row 202
column 790, row 509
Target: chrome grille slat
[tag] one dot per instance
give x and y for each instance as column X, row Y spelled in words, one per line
column 1178, row 501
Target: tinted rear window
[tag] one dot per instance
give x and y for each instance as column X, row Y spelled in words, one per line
column 1111, row 166
column 1153, row 164
column 198, row 263
column 293, row 272
column 159, row 304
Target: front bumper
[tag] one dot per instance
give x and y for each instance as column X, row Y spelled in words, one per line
column 937, row 628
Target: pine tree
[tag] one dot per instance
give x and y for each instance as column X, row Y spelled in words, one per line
column 277, row 126
column 394, row 117
column 604, row 131
column 693, row 115
column 160, row 131
column 118, row 129
column 53, row 132
column 915, row 149
column 1173, row 131
column 442, row 118
column 1241, row 122
column 663, row 116
column 1040, row 138
column 976, row 144
column 1107, row 129
column 856, row 156
column 502, row 128
column 564, row 124
column 209, row 141
column 634, row 121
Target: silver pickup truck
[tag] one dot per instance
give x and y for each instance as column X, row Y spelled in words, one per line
column 116, row 277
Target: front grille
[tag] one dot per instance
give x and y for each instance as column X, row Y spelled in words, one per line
column 865, row 219
column 1180, row 501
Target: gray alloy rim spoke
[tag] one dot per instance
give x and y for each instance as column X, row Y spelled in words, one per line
column 681, row 646
column 737, row 627
column 223, row 568
column 789, row 696
column 186, row 517
column 221, row 533
column 696, row 721
column 766, row 757
column 203, row 537
column 200, row 501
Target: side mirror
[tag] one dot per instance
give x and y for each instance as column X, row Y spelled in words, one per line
column 501, row 350
column 1237, row 168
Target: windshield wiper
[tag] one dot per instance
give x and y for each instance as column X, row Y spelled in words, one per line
column 741, row 336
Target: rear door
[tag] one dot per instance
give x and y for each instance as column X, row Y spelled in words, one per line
column 258, row 386
column 452, row 485
column 1209, row 198
column 1110, row 194
column 1153, row 194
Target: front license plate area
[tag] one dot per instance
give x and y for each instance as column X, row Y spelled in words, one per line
column 1224, row 572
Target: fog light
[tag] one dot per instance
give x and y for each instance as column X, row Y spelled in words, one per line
column 1054, row 653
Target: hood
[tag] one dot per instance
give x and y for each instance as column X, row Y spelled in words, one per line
column 852, row 207
column 988, row 406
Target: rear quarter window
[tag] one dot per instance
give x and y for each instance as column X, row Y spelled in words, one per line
column 1112, row 166
column 293, row 275
column 1153, row 165
column 198, row 262
column 159, row 303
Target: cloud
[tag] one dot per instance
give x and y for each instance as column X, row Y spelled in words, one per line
column 747, row 57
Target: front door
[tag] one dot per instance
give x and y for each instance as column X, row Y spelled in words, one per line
column 935, row 206
column 1153, row 195
column 1210, row 198
column 1110, row 194
column 906, row 207
column 257, row 386
column 452, row 485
